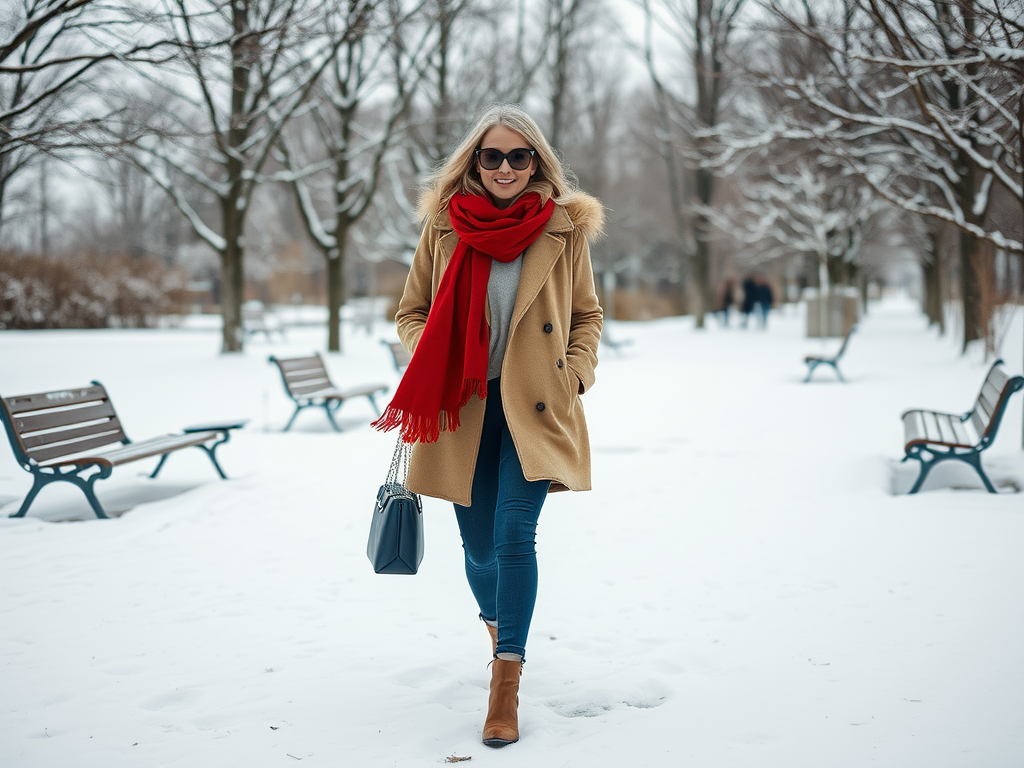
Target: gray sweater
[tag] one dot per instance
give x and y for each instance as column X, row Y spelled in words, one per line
column 502, row 287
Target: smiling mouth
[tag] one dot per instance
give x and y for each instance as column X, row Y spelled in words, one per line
column 504, row 182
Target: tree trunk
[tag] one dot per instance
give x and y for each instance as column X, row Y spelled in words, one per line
column 975, row 322
column 232, row 291
column 703, row 291
column 560, row 80
column 336, row 288
column 934, row 303
column 233, row 203
column 859, row 280
column 232, row 263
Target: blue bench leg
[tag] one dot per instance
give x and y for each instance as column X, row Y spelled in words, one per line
column 330, row 414
column 159, row 466
column 838, row 372
column 90, row 495
column 211, row 451
column 292, row 420
column 810, row 370
column 926, row 467
column 37, row 485
column 373, row 402
column 974, row 460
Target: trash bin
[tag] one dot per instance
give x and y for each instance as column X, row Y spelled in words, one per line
column 842, row 308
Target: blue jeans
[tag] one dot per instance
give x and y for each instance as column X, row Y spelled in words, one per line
column 499, row 531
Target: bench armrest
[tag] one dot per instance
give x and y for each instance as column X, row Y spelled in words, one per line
column 216, row 426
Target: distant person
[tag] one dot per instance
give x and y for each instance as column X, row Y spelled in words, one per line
column 749, row 298
column 501, row 315
column 726, row 301
column 764, row 298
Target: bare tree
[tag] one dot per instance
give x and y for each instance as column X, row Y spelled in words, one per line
column 924, row 102
column 50, row 51
column 690, row 108
column 350, row 138
column 244, row 69
column 571, row 28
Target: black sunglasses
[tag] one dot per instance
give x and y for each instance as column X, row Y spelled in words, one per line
column 518, row 159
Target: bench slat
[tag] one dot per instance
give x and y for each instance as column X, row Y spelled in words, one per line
column 988, row 399
column 980, row 423
column 298, row 381
column 305, row 375
column 366, row 389
column 141, row 450
column 913, row 427
column 333, row 393
column 307, row 390
column 399, row 354
column 59, row 397
column 961, row 435
column 158, row 445
column 947, row 434
column 997, row 378
column 41, row 439
column 937, row 428
column 299, row 363
column 64, row 418
column 45, row 454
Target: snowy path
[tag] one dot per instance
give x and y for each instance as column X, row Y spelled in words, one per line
column 741, row 588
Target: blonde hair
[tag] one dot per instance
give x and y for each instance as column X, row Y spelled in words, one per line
column 458, row 173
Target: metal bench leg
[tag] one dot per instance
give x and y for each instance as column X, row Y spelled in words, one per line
column 330, row 414
column 810, row 370
column 90, row 494
column 211, row 451
column 838, row 372
column 926, row 467
column 292, row 420
column 373, row 402
column 974, row 459
column 37, row 485
column 159, row 466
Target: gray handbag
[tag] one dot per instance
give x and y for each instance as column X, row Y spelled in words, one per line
column 396, row 531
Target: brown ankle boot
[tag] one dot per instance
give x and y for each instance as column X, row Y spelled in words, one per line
column 493, row 632
column 502, row 724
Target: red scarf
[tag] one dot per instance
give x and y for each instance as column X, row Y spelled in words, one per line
column 450, row 363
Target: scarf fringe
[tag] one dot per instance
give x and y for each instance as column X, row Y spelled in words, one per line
column 427, row 429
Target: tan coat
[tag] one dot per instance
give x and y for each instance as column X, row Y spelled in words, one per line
column 549, row 361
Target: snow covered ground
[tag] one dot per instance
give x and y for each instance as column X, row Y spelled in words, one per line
column 741, row 588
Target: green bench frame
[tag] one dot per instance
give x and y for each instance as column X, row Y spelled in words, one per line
column 400, row 356
column 75, row 436
column 931, row 437
column 813, row 361
column 308, row 385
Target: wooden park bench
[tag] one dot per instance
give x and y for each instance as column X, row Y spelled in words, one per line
column 307, row 383
column 258, row 319
column 813, row 361
column 399, row 355
column 931, row 436
column 615, row 345
column 75, row 435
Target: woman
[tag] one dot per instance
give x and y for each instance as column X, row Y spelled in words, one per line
column 501, row 314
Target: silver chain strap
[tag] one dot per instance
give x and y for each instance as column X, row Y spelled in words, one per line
column 400, row 467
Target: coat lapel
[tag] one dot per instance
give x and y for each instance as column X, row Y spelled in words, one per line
column 539, row 260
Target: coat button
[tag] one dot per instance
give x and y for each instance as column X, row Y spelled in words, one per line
column 540, row 406
column 559, row 363
column 548, row 328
